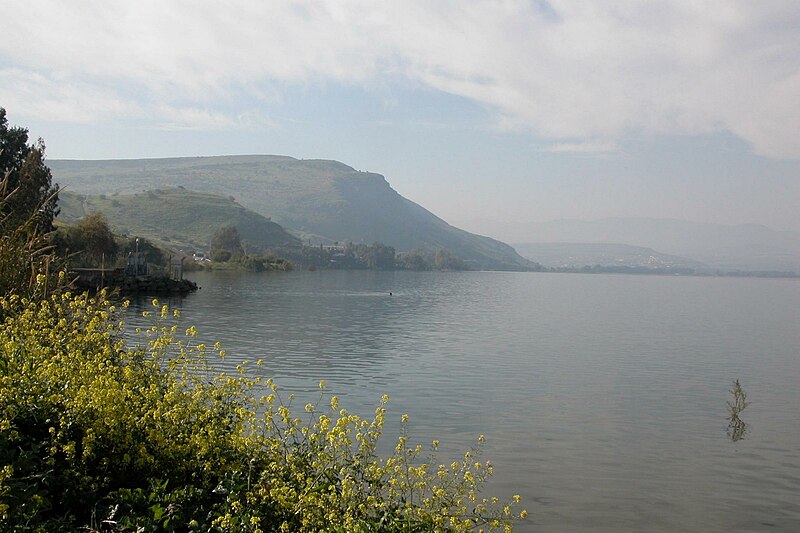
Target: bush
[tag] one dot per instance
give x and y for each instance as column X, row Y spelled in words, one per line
column 100, row 434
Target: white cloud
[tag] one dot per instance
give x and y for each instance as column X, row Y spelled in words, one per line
column 47, row 98
column 53, row 98
column 564, row 71
column 592, row 146
column 194, row 118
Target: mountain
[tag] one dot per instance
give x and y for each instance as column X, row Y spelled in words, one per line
column 576, row 255
column 733, row 247
column 176, row 216
column 320, row 200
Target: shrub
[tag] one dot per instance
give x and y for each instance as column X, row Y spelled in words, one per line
column 98, row 433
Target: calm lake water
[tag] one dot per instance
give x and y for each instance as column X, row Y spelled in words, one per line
column 602, row 397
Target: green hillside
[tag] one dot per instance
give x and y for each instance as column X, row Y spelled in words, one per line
column 177, row 216
column 320, row 198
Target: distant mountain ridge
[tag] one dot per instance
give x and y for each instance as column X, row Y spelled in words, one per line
column 321, row 199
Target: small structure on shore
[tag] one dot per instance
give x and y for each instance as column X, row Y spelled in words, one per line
column 137, row 263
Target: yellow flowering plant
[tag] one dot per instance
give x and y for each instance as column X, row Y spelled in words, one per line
column 97, row 433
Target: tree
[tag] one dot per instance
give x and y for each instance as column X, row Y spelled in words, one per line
column 98, row 239
column 27, row 208
column 444, row 260
column 29, row 186
column 380, row 256
column 415, row 260
column 90, row 242
column 226, row 244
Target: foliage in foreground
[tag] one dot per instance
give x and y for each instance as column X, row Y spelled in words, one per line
column 99, row 434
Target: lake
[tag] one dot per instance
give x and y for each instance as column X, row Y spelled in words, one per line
column 602, row 397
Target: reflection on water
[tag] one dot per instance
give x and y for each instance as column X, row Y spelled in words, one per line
column 599, row 394
column 736, row 426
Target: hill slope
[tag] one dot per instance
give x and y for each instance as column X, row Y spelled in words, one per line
column 314, row 197
column 177, row 216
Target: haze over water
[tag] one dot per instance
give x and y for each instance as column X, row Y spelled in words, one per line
column 603, row 397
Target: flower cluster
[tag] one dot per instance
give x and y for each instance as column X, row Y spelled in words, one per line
column 100, row 433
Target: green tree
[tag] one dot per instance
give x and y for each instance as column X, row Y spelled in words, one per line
column 226, row 244
column 98, row 238
column 90, row 242
column 28, row 180
column 27, row 209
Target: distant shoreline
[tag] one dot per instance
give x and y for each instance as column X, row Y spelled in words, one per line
column 597, row 269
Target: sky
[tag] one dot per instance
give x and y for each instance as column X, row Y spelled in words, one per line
column 484, row 112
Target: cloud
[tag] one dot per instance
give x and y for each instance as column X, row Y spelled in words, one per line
column 53, row 98
column 199, row 119
column 592, row 146
column 47, row 98
column 561, row 70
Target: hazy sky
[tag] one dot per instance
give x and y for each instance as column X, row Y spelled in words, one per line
column 506, row 110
